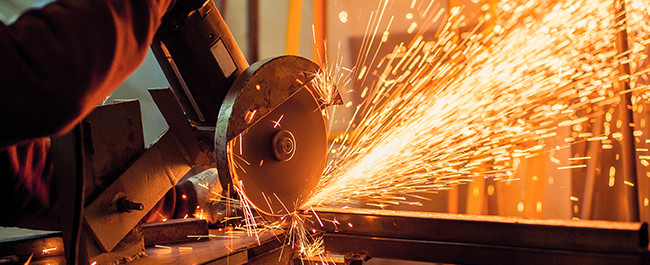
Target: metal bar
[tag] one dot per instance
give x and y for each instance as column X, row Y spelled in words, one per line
column 462, row 253
column 626, row 114
column 616, row 238
column 238, row 258
column 222, row 246
column 173, row 231
column 40, row 246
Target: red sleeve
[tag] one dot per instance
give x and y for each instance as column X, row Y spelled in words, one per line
column 58, row 62
column 27, row 190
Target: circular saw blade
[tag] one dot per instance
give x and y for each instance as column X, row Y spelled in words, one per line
column 276, row 183
column 261, row 88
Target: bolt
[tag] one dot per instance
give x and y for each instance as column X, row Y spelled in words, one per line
column 124, row 205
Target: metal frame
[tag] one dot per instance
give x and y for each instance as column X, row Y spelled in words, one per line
column 466, row 239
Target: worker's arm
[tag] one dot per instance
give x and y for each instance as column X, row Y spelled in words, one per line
column 58, row 62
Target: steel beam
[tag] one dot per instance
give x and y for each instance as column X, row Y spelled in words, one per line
column 466, row 239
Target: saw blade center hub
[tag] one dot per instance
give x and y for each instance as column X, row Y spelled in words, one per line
column 284, row 145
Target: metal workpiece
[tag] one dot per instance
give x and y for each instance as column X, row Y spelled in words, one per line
column 468, row 239
column 174, row 231
column 222, row 248
column 41, row 245
column 199, row 58
column 478, row 254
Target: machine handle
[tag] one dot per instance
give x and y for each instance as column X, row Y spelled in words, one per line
column 199, row 58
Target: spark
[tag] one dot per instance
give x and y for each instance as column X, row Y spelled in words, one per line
column 599, row 138
column 29, row 260
column 249, row 218
column 211, row 235
column 343, row 16
column 329, row 79
column 317, row 218
column 571, row 167
column 48, row 250
column 478, row 103
column 162, row 217
column 444, row 109
column 579, row 158
column 199, row 214
column 276, row 123
column 250, row 116
column 300, row 238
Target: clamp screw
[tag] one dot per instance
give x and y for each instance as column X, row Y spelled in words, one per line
column 124, row 205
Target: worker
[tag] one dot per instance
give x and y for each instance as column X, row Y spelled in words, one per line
column 56, row 64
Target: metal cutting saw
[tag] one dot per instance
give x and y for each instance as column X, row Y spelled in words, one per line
column 262, row 126
column 270, row 138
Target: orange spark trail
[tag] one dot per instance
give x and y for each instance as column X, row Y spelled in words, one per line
column 452, row 109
